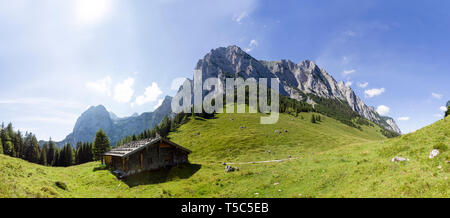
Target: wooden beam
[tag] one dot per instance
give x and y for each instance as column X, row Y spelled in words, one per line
column 142, row 159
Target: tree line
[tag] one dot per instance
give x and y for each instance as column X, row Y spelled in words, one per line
column 167, row 125
column 448, row 109
column 26, row 147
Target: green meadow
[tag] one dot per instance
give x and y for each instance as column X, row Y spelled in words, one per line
column 324, row 159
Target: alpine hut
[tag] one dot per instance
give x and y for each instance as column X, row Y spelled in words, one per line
column 144, row 155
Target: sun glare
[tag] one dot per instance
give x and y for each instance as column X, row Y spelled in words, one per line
column 91, row 11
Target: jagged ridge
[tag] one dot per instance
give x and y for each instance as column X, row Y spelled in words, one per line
column 295, row 79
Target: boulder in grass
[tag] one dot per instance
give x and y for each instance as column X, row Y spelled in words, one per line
column 399, row 159
column 433, row 153
column 229, row 169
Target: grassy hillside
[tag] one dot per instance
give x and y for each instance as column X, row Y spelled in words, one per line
column 328, row 159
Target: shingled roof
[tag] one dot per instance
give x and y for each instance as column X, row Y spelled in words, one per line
column 134, row 146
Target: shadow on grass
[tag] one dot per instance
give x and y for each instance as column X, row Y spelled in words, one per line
column 183, row 171
column 205, row 118
column 100, row 168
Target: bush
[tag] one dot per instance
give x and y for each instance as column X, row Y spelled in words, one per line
column 440, row 146
column 49, row 190
column 61, row 185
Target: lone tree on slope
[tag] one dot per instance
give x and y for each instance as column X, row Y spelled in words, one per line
column 101, row 145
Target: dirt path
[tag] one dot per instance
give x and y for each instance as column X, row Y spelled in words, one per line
column 264, row 161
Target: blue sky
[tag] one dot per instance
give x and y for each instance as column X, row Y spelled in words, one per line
column 57, row 58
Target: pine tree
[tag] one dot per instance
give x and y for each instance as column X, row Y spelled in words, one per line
column 89, row 154
column 62, row 157
column 12, row 138
column 32, row 153
column 313, row 119
column 101, row 145
column 18, row 145
column 165, row 126
column 43, row 158
column 57, row 156
column 69, row 155
column 8, row 147
column 51, row 153
column 448, row 110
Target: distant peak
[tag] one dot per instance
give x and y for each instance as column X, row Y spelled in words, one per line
column 97, row 108
column 232, row 49
column 167, row 100
column 308, row 64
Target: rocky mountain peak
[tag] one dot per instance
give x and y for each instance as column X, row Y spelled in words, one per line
column 307, row 64
column 116, row 128
column 295, row 79
column 96, row 109
column 166, row 105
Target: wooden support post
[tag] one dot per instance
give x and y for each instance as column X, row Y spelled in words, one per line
column 142, row 158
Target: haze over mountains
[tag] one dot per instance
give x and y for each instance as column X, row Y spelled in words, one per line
column 116, row 128
column 297, row 81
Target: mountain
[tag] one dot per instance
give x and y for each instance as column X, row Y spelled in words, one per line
column 116, row 128
column 297, row 80
column 302, row 81
column 113, row 116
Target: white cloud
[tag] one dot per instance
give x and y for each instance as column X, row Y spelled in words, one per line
column 253, row 44
column 383, row 110
column 123, row 92
column 443, row 108
column 362, row 85
column 436, row 95
column 177, row 83
column 239, row 17
column 348, row 72
column 102, row 86
column 373, row 92
column 160, row 101
column 403, row 118
column 151, row 94
column 349, row 83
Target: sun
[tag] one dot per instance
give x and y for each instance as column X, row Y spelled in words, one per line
column 91, row 11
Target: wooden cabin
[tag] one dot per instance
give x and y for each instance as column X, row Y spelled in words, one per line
column 144, row 155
